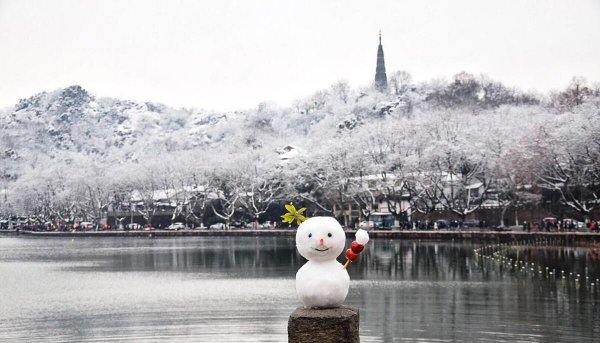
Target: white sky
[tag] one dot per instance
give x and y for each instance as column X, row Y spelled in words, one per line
column 227, row 54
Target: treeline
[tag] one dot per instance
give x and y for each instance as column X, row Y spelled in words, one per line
column 457, row 145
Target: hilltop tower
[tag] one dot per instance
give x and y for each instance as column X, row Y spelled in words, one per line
column 380, row 76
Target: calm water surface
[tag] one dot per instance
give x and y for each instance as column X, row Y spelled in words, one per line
column 242, row 290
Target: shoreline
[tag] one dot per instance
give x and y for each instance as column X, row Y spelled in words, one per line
column 499, row 236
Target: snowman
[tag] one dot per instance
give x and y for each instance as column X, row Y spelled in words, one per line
column 323, row 282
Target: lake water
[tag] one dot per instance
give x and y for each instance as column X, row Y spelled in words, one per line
column 241, row 289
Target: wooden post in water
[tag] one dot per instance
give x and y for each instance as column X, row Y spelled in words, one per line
column 331, row 325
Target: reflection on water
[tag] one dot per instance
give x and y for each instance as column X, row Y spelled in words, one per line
column 242, row 290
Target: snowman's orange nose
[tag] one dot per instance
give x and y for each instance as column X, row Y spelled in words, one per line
column 321, row 241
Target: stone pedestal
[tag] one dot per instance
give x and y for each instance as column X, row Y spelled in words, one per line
column 333, row 325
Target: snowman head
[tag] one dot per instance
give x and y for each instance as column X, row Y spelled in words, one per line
column 320, row 239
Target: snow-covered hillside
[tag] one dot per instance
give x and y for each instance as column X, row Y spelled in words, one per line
column 67, row 147
column 71, row 120
column 70, row 124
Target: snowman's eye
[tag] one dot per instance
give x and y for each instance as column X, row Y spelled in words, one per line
column 329, row 234
column 309, row 235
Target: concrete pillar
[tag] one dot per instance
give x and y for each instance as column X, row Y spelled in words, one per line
column 333, row 325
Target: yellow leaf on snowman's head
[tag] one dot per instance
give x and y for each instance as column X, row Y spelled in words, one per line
column 293, row 214
column 287, row 218
column 290, row 207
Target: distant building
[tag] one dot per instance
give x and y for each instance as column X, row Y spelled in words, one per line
column 380, row 76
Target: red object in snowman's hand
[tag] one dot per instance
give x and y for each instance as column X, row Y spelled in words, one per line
column 356, row 248
column 351, row 255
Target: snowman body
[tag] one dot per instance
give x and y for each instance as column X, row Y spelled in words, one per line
column 322, row 281
column 322, row 284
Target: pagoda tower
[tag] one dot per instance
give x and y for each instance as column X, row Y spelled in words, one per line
column 380, row 76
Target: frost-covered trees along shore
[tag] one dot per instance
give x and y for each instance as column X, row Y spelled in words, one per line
column 457, row 145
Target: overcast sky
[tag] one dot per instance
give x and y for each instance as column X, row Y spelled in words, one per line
column 229, row 54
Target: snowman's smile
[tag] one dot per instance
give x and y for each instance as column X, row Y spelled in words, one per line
column 321, row 249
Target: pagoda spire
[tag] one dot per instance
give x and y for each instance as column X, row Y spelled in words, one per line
column 380, row 76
